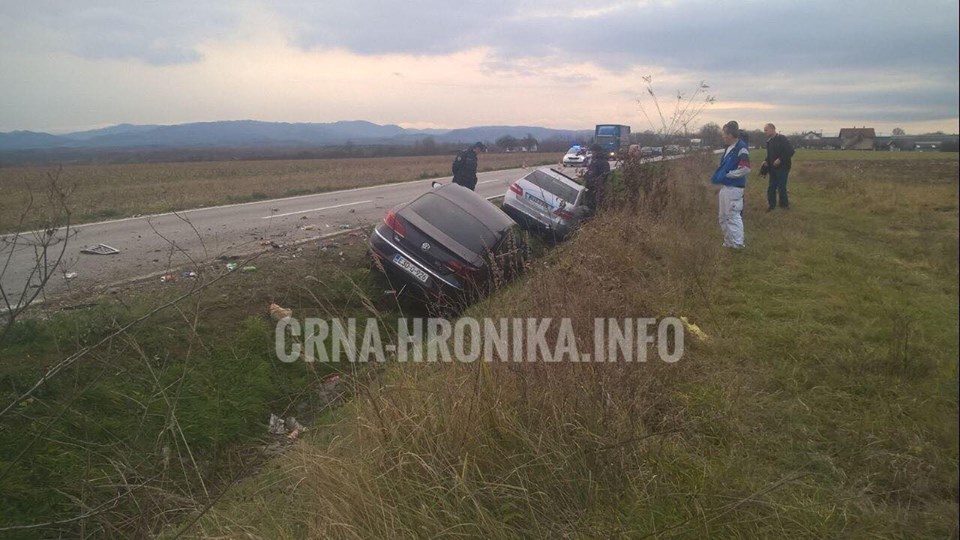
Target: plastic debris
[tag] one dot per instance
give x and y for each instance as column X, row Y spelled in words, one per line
column 308, row 227
column 289, row 427
column 295, row 428
column 100, row 249
column 167, row 278
column 276, row 426
column 279, row 313
column 189, row 275
column 248, row 269
column 70, row 275
column 354, row 234
column 232, row 266
column 344, row 226
column 694, row 329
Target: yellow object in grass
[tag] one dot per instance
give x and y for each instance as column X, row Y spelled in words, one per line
column 695, row 330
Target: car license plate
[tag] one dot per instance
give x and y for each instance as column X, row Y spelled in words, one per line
column 539, row 202
column 411, row 268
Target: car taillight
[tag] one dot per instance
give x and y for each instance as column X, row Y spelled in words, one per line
column 563, row 214
column 394, row 223
column 459, row 268
column 516, row 189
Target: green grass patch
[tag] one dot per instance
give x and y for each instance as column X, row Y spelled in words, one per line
column 171, row 409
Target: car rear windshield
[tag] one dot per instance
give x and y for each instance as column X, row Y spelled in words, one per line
column 550, row 184
column 454, row 222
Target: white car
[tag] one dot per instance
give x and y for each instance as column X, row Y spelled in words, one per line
column 576, row 156
column 546, row 200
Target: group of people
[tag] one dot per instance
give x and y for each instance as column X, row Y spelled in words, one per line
column 731, row 176
column 732, row 173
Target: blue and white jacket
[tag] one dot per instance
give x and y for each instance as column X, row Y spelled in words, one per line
column 734, row 166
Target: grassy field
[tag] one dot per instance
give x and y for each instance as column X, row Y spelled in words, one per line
column 155, row 418
column 100, row 192
column 823, row 403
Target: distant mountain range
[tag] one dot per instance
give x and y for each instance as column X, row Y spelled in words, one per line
column 250, row 133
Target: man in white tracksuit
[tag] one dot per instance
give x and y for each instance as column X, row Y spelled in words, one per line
column 731, row 175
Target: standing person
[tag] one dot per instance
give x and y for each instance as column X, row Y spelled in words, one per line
column 777, row 165
column 595, row 178
column 465, row 166
column 731, row 175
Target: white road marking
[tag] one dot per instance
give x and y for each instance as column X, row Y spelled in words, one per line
column 316, row 209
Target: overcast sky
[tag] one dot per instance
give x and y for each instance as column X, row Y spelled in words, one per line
column 815, row 64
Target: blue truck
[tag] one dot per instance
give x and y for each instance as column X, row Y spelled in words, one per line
column 613, row 138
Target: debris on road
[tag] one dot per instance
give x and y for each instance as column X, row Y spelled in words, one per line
column 248, row 269
column 189, row 275
column 279, row 313
column 232, row 266
column 308, row 227
column 167, row 278
column 100, row 249
column 70, row 275
column 344, row 226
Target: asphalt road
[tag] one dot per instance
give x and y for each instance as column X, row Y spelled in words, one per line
column 152, row 245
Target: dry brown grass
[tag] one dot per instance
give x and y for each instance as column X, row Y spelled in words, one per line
column 113, row 191
column 509, row 449
column 806, row 413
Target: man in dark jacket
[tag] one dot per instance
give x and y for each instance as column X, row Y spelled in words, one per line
column 777, row 165
column 465, row 166
column 595, row 178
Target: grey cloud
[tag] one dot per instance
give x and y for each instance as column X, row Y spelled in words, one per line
column 737, row 47
column 694, row 35
column 157, row 33
column 818, row 56
column 373, row 27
